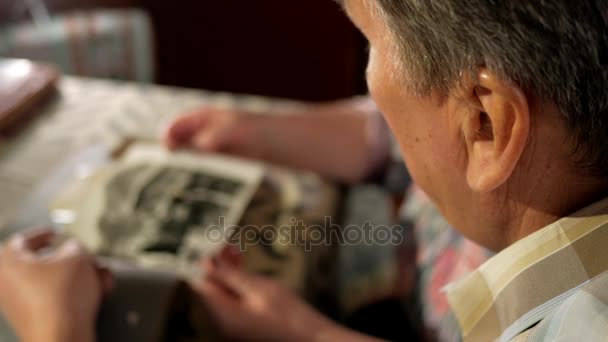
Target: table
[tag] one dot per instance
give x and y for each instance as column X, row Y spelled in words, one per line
column 98, row 112
column 101, row 113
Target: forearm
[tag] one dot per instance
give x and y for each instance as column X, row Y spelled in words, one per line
column 68, row 333
column 339, row 333
column 344, row 141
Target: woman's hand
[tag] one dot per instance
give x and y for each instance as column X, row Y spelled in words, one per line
column 50, row 295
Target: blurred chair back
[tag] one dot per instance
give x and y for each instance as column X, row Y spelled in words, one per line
column 114, row 44
column 302, row 49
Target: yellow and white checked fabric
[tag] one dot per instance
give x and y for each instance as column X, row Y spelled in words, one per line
column 549, row 286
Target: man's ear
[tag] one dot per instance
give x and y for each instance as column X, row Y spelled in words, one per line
column 496, row 130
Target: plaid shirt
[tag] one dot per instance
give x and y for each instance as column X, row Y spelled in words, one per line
column 443, row 256
column 550, row 286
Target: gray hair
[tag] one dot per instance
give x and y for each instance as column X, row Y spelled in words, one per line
column 557, row 50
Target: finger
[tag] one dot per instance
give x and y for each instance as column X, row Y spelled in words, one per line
column 231, row 255
column 106, row 279
column 223, row 307
column 234, row 280
column 210, row 290
column 32, row 241
column 70, row 249
column 228, row 256
column 207, row 265
column 182, row 130
column 208, row 140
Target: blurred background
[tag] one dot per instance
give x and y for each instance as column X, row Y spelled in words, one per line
column 300, row 49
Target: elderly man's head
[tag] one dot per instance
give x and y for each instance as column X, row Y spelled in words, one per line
column 500, row 107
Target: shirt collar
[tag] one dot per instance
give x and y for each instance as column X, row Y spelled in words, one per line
column 516, row 288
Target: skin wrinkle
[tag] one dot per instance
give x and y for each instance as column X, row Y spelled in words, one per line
column 514, row 42
column 495, row 189
column 429, row 129
column 534, row 215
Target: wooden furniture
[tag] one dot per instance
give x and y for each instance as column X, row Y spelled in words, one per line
column 74, row 134
column 24, row 87
column 304, row 49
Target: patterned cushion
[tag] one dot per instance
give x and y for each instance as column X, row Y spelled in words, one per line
column 103, row 43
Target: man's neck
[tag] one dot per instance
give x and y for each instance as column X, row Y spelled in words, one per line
column 546, row 206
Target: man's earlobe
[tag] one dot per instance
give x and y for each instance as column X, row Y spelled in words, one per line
column 496, row 131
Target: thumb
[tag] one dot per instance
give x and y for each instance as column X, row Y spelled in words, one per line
column 181, row 131
column 70, row 249
column 32, row 241
column 234, row 280
column 209, row 140
column 106, row 278
column 225, row 310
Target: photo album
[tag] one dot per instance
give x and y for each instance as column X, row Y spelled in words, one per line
column 157, row 208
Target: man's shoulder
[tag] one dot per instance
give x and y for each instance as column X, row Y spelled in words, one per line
column 582, row 317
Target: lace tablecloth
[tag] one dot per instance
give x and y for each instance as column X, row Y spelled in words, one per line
column 100, row 114
column 97, row 112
